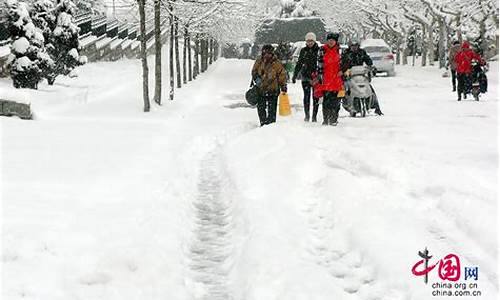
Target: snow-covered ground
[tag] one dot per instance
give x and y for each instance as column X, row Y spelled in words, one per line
column 195, row 201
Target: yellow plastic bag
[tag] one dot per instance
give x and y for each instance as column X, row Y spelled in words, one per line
column 284, row 109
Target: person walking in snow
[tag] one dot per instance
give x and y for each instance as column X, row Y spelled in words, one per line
column 455, row 48
column 330, row 78
column 355, row 56
column 269, row 76
column 463, row 61
column 306, row 66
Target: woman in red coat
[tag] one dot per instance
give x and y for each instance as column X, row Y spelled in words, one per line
column 463, row 64
column 330, row 78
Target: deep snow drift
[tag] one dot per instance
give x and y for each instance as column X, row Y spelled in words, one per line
column 195, row 201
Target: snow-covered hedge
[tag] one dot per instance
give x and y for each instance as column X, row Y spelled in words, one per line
column 45, row 41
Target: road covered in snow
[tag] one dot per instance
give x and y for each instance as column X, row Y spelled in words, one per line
column 195, row 201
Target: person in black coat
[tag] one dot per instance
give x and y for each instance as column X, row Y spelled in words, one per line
column 355, row 56
column 306, row 65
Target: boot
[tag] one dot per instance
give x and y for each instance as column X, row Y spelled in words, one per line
column 333, row 117
column 326, row 116
column 315, row 113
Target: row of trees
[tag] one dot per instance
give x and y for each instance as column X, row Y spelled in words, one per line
column 202, row 25
column 44, row 41
column 427, row 25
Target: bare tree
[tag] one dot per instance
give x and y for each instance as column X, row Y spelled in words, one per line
column 196, row 69
column 188, row 43
column 184, row 57
column 171, row 52
column 145, row 70
column 158, row 45
column 177, row 56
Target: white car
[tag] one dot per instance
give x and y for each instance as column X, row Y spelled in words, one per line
column 381, row 55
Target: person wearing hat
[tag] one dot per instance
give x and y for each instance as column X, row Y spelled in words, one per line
column 355, row 56
column 306, row 65
column 270, row 77
column 330, row 78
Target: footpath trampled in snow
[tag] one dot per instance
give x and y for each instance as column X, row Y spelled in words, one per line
column 195, row 201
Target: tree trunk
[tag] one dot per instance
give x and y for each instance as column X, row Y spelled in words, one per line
column 145, row 70
column 190, row 64
column 216, row 51
column 398, row 52
column 158, row 42
column 430, row 45
column 442, row 44
column 405, row 56
column 211, row 51
column 177, row 57
column 205, row 55
column 459, row 30
column 171, row 54
column 202, row 55
column 196, row 69
column 184, row 58
column 482, row 36
column 424, row 47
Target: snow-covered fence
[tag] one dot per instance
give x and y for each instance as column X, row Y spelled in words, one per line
column 103, row 47
column 84, row 21
column 99, row 25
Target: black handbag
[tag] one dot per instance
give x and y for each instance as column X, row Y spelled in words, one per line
column 252, row 95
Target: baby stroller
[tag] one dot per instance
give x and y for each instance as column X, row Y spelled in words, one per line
column 359, row 97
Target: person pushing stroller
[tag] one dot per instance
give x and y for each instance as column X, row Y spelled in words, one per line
column 355, row 56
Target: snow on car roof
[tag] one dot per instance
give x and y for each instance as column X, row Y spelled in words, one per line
column 373, row 42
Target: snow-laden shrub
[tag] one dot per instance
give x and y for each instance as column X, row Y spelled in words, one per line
column 62, row 44
column 28, row 54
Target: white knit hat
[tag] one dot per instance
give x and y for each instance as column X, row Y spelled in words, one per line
column 311, row 36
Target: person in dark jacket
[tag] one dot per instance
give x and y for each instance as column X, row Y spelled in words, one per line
column 269, row 76
column 455, row 48
column 330, row 78
column 306, row 66
column 355, row 56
